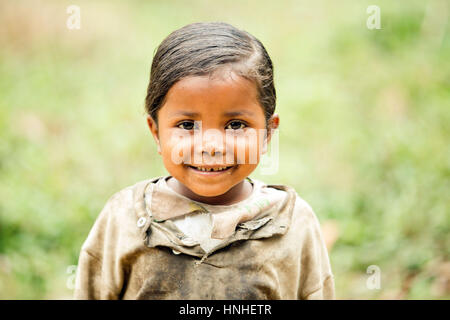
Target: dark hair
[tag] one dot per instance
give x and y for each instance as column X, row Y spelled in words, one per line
column 203, row 48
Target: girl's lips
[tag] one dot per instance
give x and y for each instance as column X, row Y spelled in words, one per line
column 211, row 173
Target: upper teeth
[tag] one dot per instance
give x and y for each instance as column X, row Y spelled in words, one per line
column 210, row 169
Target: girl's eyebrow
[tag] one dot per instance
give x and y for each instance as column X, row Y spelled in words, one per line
column 238, row 113
column 185, row 113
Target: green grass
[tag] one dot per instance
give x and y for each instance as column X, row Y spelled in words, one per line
column 364, row 130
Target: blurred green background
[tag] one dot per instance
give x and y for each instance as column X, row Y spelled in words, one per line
column 364, row 130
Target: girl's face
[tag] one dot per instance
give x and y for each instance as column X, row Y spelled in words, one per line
column 211, row 123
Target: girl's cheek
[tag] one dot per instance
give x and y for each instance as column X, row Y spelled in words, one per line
column 177, row 147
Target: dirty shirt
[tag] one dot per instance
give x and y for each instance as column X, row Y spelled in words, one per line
column 149, row 242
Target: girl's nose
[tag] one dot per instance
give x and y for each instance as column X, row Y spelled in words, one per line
column 212, row 143
column 212, row 148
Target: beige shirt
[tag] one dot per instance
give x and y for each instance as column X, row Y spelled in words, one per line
column 150, row 242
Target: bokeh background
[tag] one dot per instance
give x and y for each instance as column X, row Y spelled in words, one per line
column 364, row 131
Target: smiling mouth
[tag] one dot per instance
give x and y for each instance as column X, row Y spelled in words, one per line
column 211, row 169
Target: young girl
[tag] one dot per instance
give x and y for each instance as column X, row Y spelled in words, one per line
column 207, row 230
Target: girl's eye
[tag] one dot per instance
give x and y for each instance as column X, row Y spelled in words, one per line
column 186, row 125
column 236, row 125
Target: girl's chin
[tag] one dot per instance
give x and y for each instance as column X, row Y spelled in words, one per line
column 204, row 187
column 208, row 192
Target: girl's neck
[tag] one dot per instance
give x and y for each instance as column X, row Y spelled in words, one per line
column 238, row 193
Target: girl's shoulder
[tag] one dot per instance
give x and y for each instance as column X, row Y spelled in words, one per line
column 127, row 203
column 123, row 213
column 300, row 203
column 301, row 210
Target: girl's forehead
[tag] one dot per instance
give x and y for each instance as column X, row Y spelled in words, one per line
column 199, row 92
column 213, row 84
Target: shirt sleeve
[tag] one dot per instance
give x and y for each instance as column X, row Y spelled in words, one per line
column 98, row 275
column 316, row 277
column 90, row 281
column 325, row 291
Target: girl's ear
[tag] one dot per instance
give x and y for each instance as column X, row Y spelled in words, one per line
column 154, row 130
column 273, row 124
